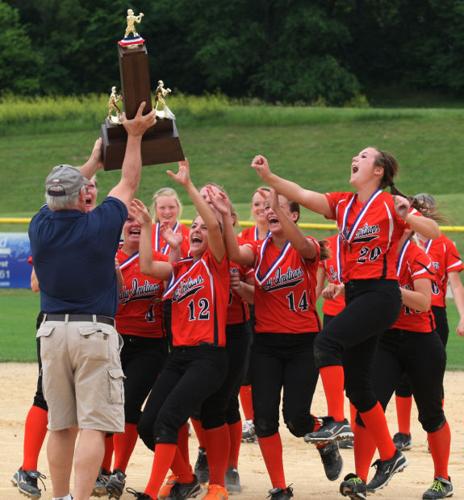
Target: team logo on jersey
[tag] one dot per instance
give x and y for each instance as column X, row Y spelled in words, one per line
column 366, row 233
column 436, row 265
column 139, row 291
column 280, row 280
column 187, row 288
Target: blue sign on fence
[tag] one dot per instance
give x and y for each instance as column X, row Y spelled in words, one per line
column 15, row 271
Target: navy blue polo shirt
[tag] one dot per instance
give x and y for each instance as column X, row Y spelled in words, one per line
column 73, row 255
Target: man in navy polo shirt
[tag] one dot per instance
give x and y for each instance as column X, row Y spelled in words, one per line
column 73, row 254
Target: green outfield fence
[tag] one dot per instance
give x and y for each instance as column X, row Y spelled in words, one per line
column 246, row 223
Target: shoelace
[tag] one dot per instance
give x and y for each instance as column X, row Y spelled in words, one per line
column 137, row 494
column 35, row 474
column 437, row 486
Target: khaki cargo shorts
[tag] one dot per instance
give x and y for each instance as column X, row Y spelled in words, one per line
column 82, row 375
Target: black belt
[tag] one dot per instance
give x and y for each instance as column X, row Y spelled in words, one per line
column 80, row 317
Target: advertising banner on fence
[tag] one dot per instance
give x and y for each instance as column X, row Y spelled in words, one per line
column 15, row 271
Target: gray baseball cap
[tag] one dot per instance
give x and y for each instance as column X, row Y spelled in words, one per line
column 64, row 180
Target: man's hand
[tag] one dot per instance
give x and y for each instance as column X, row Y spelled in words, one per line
column 183, row 174
column 138, row 125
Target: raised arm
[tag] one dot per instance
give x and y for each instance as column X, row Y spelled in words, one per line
column 215, row 240
column 94, row 163
column 131, row 171
column 157, row 269
column 241, row 254
column 312, row 200
column 423, row 225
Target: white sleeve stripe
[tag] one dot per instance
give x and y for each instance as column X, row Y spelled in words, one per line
column 459, row 263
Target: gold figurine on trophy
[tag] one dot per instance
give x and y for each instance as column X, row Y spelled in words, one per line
column 131, row 20
column 161, row 108
column 114, row 111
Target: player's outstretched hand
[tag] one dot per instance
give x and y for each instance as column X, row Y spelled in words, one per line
column 138, row 125
column 261, row 166
column 173, row 239
column 402, row 206
column 139, row 212
column 183, row 174
column 220, row 201
column 460, row 328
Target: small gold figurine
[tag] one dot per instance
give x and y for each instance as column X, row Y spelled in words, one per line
column 161, row 108
column 131, row 20
column 113, row 107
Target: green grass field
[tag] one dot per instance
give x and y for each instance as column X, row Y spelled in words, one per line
column 18, row 311
column 312, row 146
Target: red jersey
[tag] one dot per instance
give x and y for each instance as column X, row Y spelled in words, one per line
column 446, row 259
column 159, row 243
column 237, row 310
column 140, row 307
column 200, row 294
column 285, row 289
column 333, row 272
column 370, row 232
column 414, row 264
column 250, row 234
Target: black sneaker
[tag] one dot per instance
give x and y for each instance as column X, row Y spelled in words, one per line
column 139, row 495
column 354, row 487
column 281, row 493
column 402, row 441
column 331, row 460
column 232, row 481
column 99, row 490
column 115, row 484
column 385, row 471
column 201, row 468
column 181, row 491
column 26, row 481
column 441, row 488
column 330, row 431
column 346, row 444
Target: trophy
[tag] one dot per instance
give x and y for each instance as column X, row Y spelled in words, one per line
column 160, row 143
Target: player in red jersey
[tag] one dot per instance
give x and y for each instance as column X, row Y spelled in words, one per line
column 410, row 347
column 255, row 233
column 167, row 209
column 286, row 325
column 447, row 264
column 371, row 223
column 197, row 364
column 139, row 321
column 35, row 426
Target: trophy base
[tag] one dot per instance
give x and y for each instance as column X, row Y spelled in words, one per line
column 160, row 144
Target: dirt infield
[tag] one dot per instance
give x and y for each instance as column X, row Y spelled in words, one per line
column 302, row 464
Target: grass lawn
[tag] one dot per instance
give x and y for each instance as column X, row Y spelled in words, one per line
column 19, row 308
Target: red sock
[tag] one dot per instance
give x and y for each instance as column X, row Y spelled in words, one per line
column 162, row 461
column 364, row 449
column 440, row 444
column 247, row 402
column 235, row 435
column 217, row 449
column 106, row 464
column 333, row 380
column 199, row 431
column 181, row 468
column 376, row 424
column 353, row 412
column 182, row 443
column 35, row 430
column 271, row 449
column 403, row 413
column 124, row 444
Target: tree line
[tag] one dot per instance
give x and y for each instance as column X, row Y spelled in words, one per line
column 290, row 51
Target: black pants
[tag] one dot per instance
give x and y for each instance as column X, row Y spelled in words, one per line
column 350, row 339
column 39, row 399
column 190, row 375
column 404, row 389
column 283, row 361
column 247, row 375
column 422, row 358
column 223, row 404
column 142, row 359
